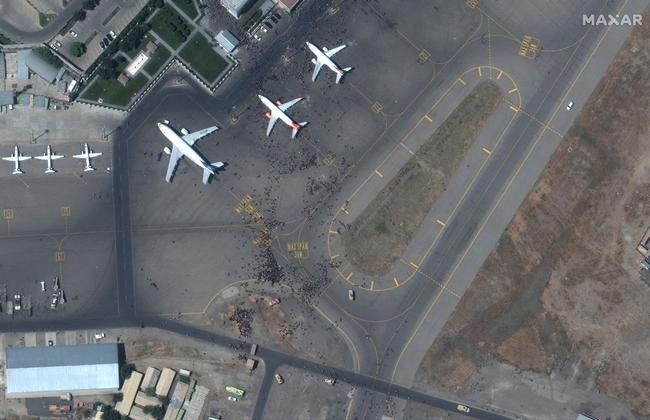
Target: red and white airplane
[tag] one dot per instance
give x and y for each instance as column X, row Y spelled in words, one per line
column 324, row 57
column 277, row 111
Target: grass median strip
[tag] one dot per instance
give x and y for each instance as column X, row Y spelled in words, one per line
column 380, row 234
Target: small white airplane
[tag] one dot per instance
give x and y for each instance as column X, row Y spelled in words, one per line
column 16, row 158
column 277, row 111
column 324, row 57
column 49, row 157
column 182, row 146
column 87, row 154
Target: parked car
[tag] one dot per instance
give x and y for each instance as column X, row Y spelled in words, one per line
column 330, row 381
column 231, row 398
column 350, row 294
column 74, row 34
column 111, row 35
column 53, row 46
column 58, row 44
column 569, row 106
column 463, row 408
column 278, row 378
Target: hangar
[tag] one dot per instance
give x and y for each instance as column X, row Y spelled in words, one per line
column 88, row 369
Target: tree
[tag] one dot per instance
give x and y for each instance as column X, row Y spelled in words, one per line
column 111, row 414
column 126, row 369
column 155, row 411
column 150, row 391
column 78, row 49
column 80, row 15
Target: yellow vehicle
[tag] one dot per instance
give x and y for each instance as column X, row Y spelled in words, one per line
column 236, row 391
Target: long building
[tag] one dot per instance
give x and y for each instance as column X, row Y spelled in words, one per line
column 87, row 369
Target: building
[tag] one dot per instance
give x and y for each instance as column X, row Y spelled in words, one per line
column 129, row 391
column 194, row 407
column 165, row 382
column 45, row 70
column 175, row 407
column 150, row 380
column 144, row 400
column 227, row 41
column 87, row 369
column 288, row 5
column 236, row 7
column 7, row 98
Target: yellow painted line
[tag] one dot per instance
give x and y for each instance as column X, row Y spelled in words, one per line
column 513, row 90
column 513, row 108
column 441, row 223
column 372, row 285
column 479, row 72
column 407, row 149
column 500, row 74
column 414, row 265
column 487, row 151
column 349, row 409
column 349, row 276
column 333, row 257
column 396, row 282
column 332, row 232
column 344, row 210
column 345, row 335
column 378, row 174
column 428, row 118
column 462, row 81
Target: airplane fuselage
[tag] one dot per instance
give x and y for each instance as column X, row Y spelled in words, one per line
column 278, row 112
column 183, row 147
column 320, row 56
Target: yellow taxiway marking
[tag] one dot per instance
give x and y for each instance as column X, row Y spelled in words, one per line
column 500, row 74
column 487, row 151
column 8, row 214
column 349, row 276
column 424, row 55
column 414, row 265
column 396, row 282
column 65, row 211
column 372, row 285
column 462, row 82
column 406, row 148
column 441, row 223
column 377, row 107
column 378, row 174
column 479, row 72
column 513, row 90
column 471, row 3
column 428, row 118
column 332, row 232
column 333, row 257
column 344, row 210
column 514, row 109
column 59, row 256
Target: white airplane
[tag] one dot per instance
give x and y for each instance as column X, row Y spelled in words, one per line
column 16, row 158
column 49, row 157
column 182, row 146
column 87, row 154
column 324, row 57
column 278, row 112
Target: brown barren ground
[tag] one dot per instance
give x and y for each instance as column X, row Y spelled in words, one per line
column 380, row 235
column 563, row 284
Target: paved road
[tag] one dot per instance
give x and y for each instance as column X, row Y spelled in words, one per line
column 45, row 34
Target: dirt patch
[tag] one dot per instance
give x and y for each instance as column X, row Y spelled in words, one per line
column 379, row 235
column 562, row 287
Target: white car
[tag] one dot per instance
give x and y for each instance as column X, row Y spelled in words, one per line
column 463, row 408
column 569, row 106
column 231, row 398
column 74, row 34
column 99, row 336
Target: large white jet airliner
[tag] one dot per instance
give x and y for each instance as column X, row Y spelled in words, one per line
column 324, row 57
column 182, row 146
column 16, row 158
column 87, row 154
column 277, row 111
column 49, row 157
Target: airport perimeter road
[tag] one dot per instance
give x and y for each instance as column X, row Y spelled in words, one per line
column 43, row 35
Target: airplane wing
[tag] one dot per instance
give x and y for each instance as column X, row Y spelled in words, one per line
column 43, row 157
column 317, row 67
column 174, row 157
column 9, row 158
column 198, row 135
column 24, row 157
column 289, row 104
column 81, row 156
column 95, row 154
column 56, row 157
column 272, row 120
column 330, row 53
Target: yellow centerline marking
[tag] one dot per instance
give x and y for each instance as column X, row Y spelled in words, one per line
column 349, row 276
column 407, row 149
column 514, row 109
column 462, row 81
column 513, row 90
column 333, row 257
column 487, row 151
column 332, row 232
column 428, row 118
column 441, row 223
column 500, row 74
column 378, row 174
column 479, row 72
column 372, row 285
column 414, row 265
column 396, row 282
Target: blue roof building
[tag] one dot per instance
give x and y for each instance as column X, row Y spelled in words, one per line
column 88, row 369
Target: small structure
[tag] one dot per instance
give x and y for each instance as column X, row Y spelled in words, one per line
column 89, row 369
column 129, row 391
column 137, row 63
column 165, row 382
column 236, row 7
column 176, row 401
column 123, row 79
column 227, row 41
column 151, row 47
column 194, row 407
column 250, row 364
column 150, row 380
column 288, row 5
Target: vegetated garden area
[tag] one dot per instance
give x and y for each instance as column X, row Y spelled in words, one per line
column 112, row 92
column 203, row 59
column 158, row 58
column 171, row 27
column 379, row 236
column 188, row 7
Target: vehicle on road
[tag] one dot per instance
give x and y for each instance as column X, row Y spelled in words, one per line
column 42, row 285
column 569, row 106
column 231, row 398
column 462, row 408
column 55, row 283
column 99, row 336
column 278, row 378
column 74, row 34
column 350, row 295
column 17, row 302
column 330, row 381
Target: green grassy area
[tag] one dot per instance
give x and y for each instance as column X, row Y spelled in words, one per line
column 139, row 47
column 380, row 234
column 156, row 61
column 111, row 16
column 203, row 59
column 170, row 26
column 4, row 40
column 188, row 7
column 44, row 19
column 112, row 92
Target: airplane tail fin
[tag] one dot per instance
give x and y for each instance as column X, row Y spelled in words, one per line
column 17, row 172
column 49, row 171
column 294, row 133
column 339, row 76
column 217, row 165
column 89, row 169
